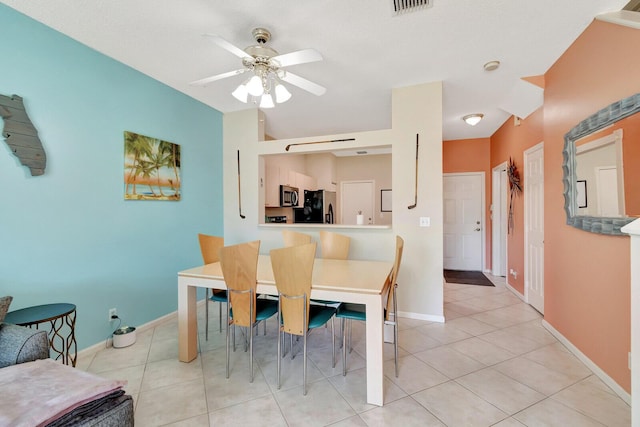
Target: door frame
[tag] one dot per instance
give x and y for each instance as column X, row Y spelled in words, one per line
column 483, row 222
column 527, row 267
column 498, row 218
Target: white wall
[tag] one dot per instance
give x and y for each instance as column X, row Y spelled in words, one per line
column 416, row 109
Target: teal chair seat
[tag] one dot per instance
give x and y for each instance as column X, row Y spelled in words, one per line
column 265, row 308
column 352, row 311
column 319, row 315
column 219, row 296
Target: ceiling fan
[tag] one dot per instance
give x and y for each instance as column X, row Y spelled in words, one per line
column 267, row 66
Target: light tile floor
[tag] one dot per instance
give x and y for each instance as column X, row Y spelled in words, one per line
column 491, row 364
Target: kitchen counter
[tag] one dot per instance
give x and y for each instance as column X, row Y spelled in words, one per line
column 325, row 226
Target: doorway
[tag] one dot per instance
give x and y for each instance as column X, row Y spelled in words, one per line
column 499, row 220
column 357, row 198
column 534, row 227
column 463, row 221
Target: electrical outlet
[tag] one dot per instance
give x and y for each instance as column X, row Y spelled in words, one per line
column 425, row 221
column 112, row 312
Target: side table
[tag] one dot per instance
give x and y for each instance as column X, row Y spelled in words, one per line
column 58, row 315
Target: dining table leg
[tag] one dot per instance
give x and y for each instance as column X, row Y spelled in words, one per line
column 187, row 321
column 375, row 350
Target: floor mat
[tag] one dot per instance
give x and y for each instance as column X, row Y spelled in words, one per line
column 467, row 277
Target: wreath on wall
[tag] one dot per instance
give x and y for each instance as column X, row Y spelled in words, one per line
column 515, row 188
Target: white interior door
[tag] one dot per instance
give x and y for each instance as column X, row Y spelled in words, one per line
column 357, row 196
column 499, row 221
column 463, row 221
column 607, row 190
column 534, row 226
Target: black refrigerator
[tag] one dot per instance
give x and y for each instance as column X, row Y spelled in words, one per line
column 318, row 207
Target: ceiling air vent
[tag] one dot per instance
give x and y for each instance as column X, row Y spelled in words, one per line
column 403, row 6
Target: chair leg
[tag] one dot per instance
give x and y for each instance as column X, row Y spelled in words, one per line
column 304, row 366
column 280, row 356
column 350, row 329
column 220, row 316
column 344, row 348
column 206, row 314
column 333, row 342
column 251, row 352
column 228, row 352
column 395, row 343
column 291, row 346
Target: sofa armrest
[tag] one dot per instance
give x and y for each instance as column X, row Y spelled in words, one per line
column 19, row 344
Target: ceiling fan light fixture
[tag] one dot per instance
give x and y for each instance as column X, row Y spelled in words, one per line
column 241, row 93
column 267, row 101
column 473, row 119
column 282, row 94
column 254, row 87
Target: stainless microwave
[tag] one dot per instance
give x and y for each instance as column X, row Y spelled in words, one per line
column 288, row 196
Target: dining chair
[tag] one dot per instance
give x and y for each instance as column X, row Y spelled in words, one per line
column 334, row 245
column 292, row 270
column 209, row 248
column 239, row 265
column 293, row 238
column 350, row 311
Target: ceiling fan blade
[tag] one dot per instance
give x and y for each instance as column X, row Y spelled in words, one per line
column 303, row 83
column 228, row 46
column 298, row 57
column 207, row 80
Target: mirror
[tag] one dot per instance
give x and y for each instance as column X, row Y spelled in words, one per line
column 594, row 157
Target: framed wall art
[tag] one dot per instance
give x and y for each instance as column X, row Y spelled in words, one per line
column 151, row 168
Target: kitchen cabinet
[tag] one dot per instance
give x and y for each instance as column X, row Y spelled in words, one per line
column 305, row 182
column 276, row 176
column 272, row 187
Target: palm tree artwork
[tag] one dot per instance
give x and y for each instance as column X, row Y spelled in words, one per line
column 151, row 168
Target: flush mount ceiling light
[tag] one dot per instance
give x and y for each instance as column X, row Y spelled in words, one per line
column 473, row 119
column 491, row 65
column 265, row 87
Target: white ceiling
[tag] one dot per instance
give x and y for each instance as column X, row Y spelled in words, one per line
column 367, row 51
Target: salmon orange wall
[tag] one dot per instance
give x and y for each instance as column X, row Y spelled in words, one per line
column 631, row 158
column 587, row 276
column 472, row 155
column 510, row 141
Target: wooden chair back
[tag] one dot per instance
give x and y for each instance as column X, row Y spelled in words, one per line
column 293, row 238
column 210, row 247
column 391, row 283
column 293, row 270
column 334, row 245
column 239, row 265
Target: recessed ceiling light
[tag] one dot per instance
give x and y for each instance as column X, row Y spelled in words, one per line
column 491, row 65
column 473, row 119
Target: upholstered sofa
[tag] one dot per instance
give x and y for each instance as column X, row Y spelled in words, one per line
column 21, row 349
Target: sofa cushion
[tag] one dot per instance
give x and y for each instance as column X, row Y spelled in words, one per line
column 4, row 307
column 19, row 344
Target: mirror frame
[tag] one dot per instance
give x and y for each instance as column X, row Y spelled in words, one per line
column 603, row 118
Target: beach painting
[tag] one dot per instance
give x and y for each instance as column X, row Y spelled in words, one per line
column 151, row 168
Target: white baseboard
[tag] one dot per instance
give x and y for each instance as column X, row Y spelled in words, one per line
column 513, row 290
column 419, row 316
column 594, row 368
column 90, row 351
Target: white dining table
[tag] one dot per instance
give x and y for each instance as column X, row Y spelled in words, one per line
column 354, row 281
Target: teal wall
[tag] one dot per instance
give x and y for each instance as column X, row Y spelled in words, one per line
column 69, row 235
